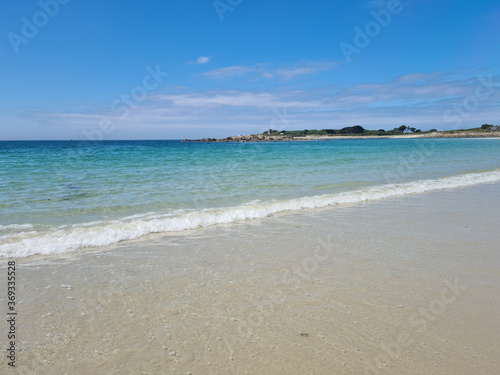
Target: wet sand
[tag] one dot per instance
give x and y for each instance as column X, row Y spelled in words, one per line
column 406, row 285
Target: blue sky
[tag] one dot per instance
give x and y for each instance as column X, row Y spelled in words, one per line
column 73, row 69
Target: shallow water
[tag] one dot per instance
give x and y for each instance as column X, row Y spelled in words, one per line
column 62, row 196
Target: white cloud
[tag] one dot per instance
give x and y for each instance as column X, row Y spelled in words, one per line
column 265, row 71
column 418, row 99
column 240, row 99
column 230, row 71
column 203, row 59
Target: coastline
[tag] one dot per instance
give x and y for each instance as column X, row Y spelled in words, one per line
column 405, row 283
column 284, row 138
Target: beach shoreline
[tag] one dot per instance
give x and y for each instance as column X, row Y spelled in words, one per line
column 403, row 285
column 284, row 138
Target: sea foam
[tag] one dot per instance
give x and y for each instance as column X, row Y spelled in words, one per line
column 106, row 233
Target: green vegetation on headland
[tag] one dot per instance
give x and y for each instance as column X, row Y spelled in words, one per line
column 360, row 131
column 349, row 131
column 486, row 130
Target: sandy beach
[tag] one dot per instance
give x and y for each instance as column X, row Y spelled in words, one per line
column 400, row 286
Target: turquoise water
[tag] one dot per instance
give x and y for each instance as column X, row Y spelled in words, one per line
column 61, row 196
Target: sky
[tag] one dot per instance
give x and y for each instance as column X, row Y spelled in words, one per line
column 175, row 69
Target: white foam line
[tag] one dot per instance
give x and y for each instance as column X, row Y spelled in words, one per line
column 60, row 241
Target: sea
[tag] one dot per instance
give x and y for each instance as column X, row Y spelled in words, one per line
column 66, row 196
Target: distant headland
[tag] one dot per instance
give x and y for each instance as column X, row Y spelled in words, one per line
column 357, row 132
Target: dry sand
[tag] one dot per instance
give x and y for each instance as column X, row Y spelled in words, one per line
column 407, row 285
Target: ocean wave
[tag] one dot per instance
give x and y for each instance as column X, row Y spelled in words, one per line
column 15, row 226
column 107, row 233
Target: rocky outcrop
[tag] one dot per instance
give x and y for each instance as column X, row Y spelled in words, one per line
column 287, row 138
column 245, row 138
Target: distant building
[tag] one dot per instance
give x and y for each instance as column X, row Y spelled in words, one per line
column 495, row 128
column 269, row 132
